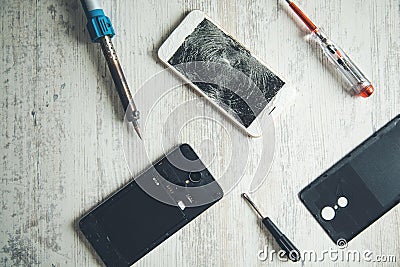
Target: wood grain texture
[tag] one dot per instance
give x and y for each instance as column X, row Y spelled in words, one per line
column 61, row 121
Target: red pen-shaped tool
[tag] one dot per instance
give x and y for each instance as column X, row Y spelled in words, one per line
column 359, row 84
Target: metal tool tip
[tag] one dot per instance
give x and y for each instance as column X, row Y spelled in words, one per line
column 139, row 133
column 251, row 203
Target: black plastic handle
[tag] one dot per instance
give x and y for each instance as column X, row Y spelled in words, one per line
column 284, row 243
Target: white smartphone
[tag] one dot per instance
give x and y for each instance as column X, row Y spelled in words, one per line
column 226, row 73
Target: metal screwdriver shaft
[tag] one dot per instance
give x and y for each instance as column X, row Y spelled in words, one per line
column 101, row 31
column 247, row 198
column 120, row 82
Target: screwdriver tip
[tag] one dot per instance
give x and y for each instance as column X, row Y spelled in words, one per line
column 139, row 133
column 251, row 203
column 137, row 129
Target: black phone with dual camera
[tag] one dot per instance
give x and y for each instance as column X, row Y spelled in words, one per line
column 360, row 188
column 151, row 208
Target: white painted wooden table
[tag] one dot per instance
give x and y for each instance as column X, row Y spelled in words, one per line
column 61, row 126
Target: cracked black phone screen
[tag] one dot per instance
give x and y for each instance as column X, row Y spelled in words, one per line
column 243, row 96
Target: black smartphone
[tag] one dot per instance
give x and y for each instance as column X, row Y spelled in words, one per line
column 152, row 207
column 360, row 188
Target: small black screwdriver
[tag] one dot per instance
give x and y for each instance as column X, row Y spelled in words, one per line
column 284, row 243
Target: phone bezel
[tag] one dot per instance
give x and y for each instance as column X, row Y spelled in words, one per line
column 178, row 36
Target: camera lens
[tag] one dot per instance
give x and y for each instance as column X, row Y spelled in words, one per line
column 195, row 177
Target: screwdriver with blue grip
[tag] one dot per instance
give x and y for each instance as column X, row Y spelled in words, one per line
column 101, row 31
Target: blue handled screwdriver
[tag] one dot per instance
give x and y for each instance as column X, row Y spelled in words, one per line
column 101, row 31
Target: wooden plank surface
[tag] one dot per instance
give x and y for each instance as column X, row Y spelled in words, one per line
column 61, row 140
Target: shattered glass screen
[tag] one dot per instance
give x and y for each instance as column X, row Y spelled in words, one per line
column 244, row 99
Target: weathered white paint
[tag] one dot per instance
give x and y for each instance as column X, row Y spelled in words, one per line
column 61, row 124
